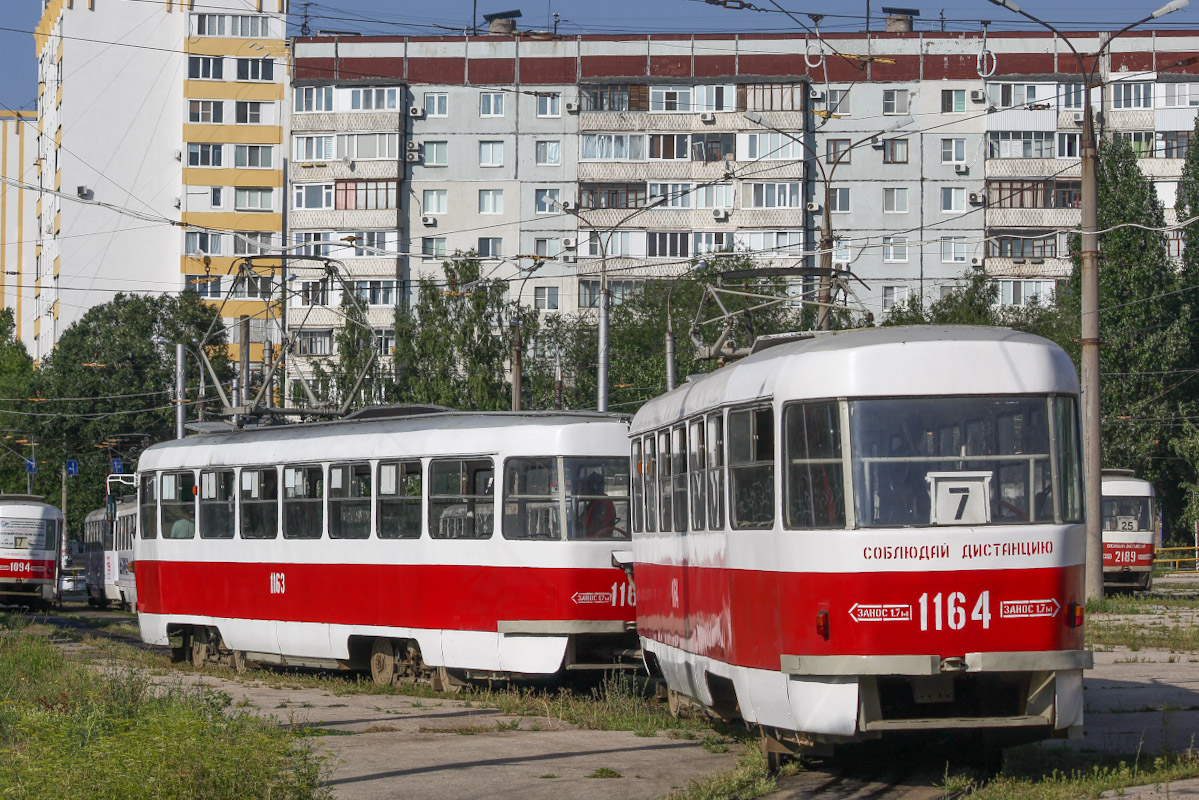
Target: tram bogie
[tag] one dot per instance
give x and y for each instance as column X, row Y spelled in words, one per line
column 31, row 534
column 1131, row 530
column 865, row 533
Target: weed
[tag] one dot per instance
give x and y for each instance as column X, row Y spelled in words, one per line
column 750, row 778
column 547, row 775
column 604, row 772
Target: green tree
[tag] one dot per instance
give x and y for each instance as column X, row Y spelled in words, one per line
column 16, row 389
column 975, row 302
column 356, row 346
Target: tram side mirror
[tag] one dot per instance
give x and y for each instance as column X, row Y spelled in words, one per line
column 110, row 507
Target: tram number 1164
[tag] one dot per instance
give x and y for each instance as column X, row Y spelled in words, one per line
column 951, row 608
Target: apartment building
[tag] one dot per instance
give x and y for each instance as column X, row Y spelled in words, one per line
column 18, row 148
column 159, row 140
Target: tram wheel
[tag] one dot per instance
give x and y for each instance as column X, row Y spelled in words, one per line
column 383, row 662
column 239, row 661
column 201, row 649
column 675, row 702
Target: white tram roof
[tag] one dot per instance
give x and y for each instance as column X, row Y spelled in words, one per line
column 28, row 506
column 1122, row 483
column 465, row 433
column 877, row 362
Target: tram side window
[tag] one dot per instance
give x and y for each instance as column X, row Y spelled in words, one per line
column 665, row 498
column 815, row 485
column 349, row 501
column 638, row 487
column 399, row 500
column 699, row 477
column 531, row 499
column 678, row 474
column 715, row 443
column 648, row 466
column 148, row 506
column 1068, row 458
column 597, row 498
column 751, row 468
column 303, row 502
column 105, row 534
column 178, row 505
column 461, row 498
column 258, row 501
column 216, row 504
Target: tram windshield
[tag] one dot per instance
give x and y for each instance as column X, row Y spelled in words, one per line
column 964, row 460
column 1127, row 513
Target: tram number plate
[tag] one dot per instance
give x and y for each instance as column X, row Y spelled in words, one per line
column 932, row 689
column 949, row 608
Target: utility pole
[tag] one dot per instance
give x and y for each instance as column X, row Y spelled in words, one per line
column 180, row 392
column 244, row 371
column 516, row 363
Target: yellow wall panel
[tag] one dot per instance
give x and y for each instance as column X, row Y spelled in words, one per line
column 237, row 134
column 228, row 90
column 202, row 176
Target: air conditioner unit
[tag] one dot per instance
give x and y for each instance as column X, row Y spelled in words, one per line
column 81, row 191
column 816, row 96
column 707, row 117
column 567, row 205
column 961, row 169
column 413, row 146
column 178, row 155
column 1079, row 117
column 428, row 220
column 813, row 208
column 178, row 203
column 1018, row 260
column 568, row 243
column 572, row 108
column 416, row 112
column 413, row 157
column 568, row 259
column 977, row 95
column 720, row 213
column 877, row 143
column 976, row 262
column 976, row 198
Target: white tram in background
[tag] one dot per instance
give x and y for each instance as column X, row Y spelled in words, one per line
column 30, row 549
column 1131, row 529
column 867, row 532
column 437, row 545
column 108, row 555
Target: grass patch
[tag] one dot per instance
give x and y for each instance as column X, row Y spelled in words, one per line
column 67, row 728
column 604, row 772
column 749, row 779
column 1142, row 635
column 1036, row 772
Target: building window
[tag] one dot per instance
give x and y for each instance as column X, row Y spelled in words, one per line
column 491, row 201
column 375, row 293
column 842, row 250
column 547, row 201
column 838, row 102
column 1068, row 145
column 612, row 147
column 1132, row 95
column 775, row 195
column 1021, row 244
column 310, row 243
column 432, row 247
column 1026, row 292
column 491, row 104
column 549, row 104
column 249, row 112
column 953, row 151
column 667, row 244
column 589, row 293
column 953, row 249
column 437, row 104
column 895, row 249
column 313, row 195
column 773, row 146
column 314, row 148
column 893, row 295
column 613, row 97
column 612, row 243
column 368, row 243
column 715, row 98
column 1173, row 144
column 549, row 153
column 253, row 287
column 895, row 200
column 385, row 340
column 612, row 195
column 1020, row 144
column 380, row 98
column 202, row 243
column 490, row 246
column 366, row 195
column 216, row 196
column 206, row 111
column 433, row 201
column 491, row 154
column 715, row 195
column 205, row 68
column 314, row 343
column 436, row 154
column 368, row 146
column 670, row 146
column 712, row 242
column 251, row 243
column 670, row 98
column 255, row 69
column 772, row 242
column 252, row 199
column 674, row 195
column 1141, row 142
column 205, row 285
column 713, row 146
column 895, row 151
column 1034, row 194
column 1010, row 95
column 258, row 156
column 204, row 155
column 237, row 26
column 895, row 101
column 545, row 297
column 953, row 101
column 953, row 198
column 838, row 199
column 1180, row 95
column 313, row 98
column 837, row 151
column 1071, row 96
column 547, row 248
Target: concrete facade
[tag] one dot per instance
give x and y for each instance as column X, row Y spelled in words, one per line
column 18, row 225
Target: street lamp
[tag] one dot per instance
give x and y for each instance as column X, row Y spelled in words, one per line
column 1089, row 269
column 825, row 300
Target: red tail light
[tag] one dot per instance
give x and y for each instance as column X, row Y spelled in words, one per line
column 822, row 623
column 1074, row 615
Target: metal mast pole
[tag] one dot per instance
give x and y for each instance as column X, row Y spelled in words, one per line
column 1091, row 429
column 180, row 391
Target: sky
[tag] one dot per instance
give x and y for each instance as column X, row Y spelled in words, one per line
column 18, row 83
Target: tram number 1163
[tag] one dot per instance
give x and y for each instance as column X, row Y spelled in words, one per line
column 951, row 608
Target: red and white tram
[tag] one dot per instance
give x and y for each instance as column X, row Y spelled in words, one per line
column 1131, row 529
column 866, row 532
column 108, row 554
column 30, row 549
column 475, row 542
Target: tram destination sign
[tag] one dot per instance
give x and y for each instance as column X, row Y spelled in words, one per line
column 23, row 534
